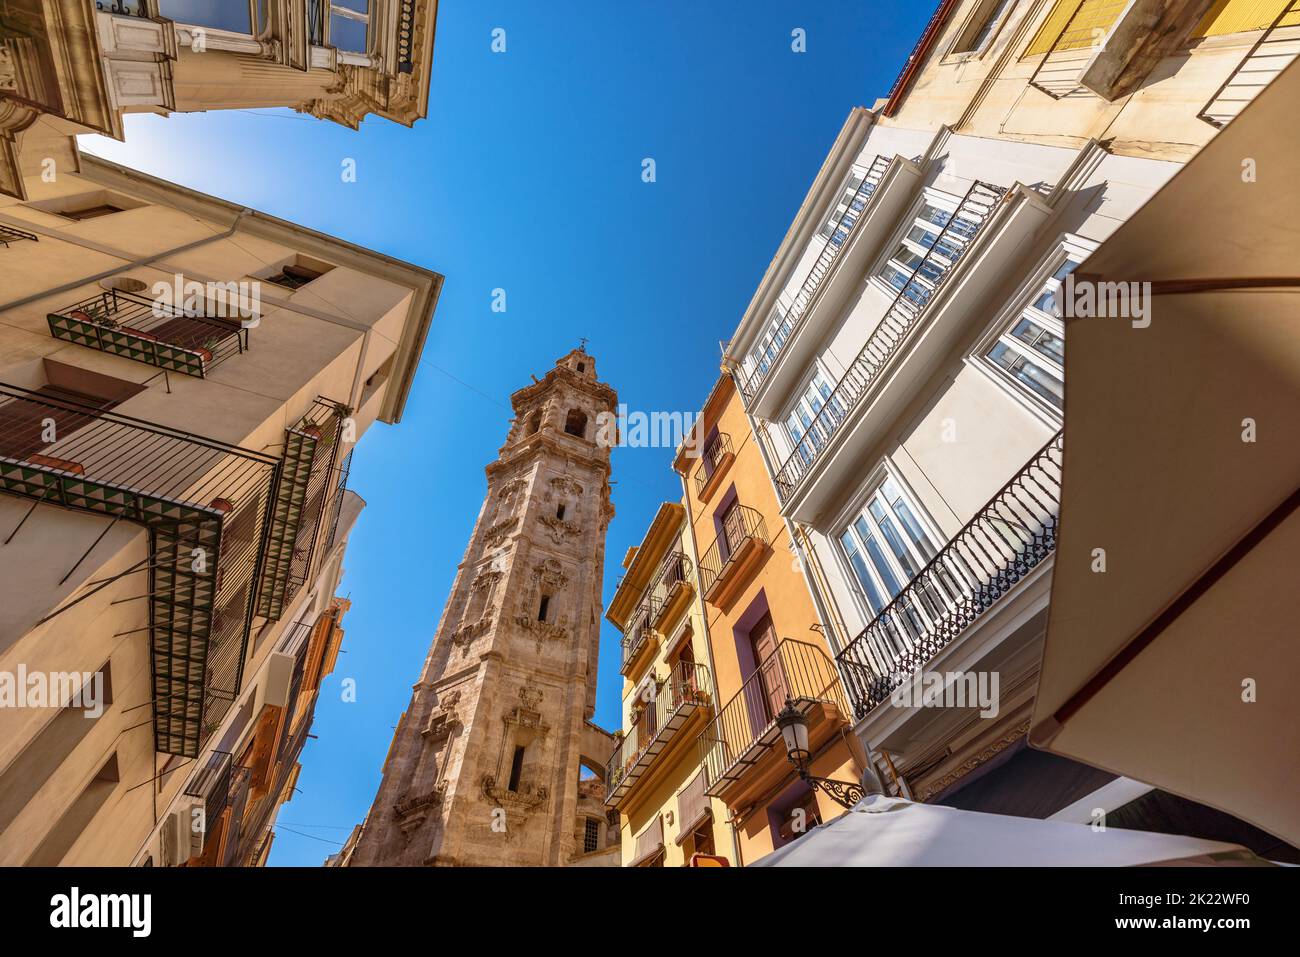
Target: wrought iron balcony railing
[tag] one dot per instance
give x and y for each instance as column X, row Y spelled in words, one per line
column 1004, row 542
column 204, row 504
column 660, row 717
column 312, row 450
column 712, row 456
column 741, row 526
column 794, row 316
column 134, row 327
column 9, row 234
column 638, row 633
column 1268, row 56
column 675, row 570
column 906, row 310
column 744, row 727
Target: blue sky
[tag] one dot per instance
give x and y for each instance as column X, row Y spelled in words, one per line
column 527, row 176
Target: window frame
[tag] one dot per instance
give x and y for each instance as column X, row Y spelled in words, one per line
column 900, row 239
column 1068, row 247
column 798, row 398
column 984, row 15
column 884, row 471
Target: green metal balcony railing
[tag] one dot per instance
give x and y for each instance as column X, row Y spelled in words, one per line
column 135, row 327
column 204, row 504
column 312, row 450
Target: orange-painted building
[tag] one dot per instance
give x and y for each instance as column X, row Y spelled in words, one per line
column 764, row 640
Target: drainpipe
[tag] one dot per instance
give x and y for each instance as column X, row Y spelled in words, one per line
column 704, row 623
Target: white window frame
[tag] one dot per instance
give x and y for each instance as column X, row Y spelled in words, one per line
column 798, row 396
column 1068, row 247
column 852, row 182
column 765, row 338
column 857, row 506
column 939, row 199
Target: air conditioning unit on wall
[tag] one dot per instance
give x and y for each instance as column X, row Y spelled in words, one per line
column 181, row 835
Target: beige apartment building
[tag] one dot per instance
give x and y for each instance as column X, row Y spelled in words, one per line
column 77, row 66
column 182, row 382
column 655, row 780
column 902, row 363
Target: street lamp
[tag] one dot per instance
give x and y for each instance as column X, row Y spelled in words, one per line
column 794, row 732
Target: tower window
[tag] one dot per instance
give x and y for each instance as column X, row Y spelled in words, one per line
column 582, row 367
column 534, row 424
column 516, row 769
column 559, row 512
column 575, row 423
column 544, row 609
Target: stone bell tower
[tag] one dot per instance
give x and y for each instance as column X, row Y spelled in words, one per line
column 484, row 766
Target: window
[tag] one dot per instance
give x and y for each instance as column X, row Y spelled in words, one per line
column 544, row 608
column 575, row 423
column 885, row 545
column 591, row 835
column 844, row 216
column 349, row 22
column 294, row 276
column 1088, row 29
column 516, row 768
column 559, row 512
column 932, row 243
column 769, row 345
column 981, row 27
column 534, row 424
column 91, row 212
column 232, row 15
column 1030, row 351
column 806, row 437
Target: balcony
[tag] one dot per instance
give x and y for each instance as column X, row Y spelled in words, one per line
column 307, row 478
column 222, row 786
column 736, row 748
column 666, row 717
column 134, row 327
column 949, row 287
column 639, row 639
column 672, row 591
column 197, row 497
column 716, row 457
column 737, row 552
column 793, row 319
column 1006, row 540
column 794, row 346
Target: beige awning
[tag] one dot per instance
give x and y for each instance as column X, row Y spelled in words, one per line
column 649, row 843
column 1150, row 667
